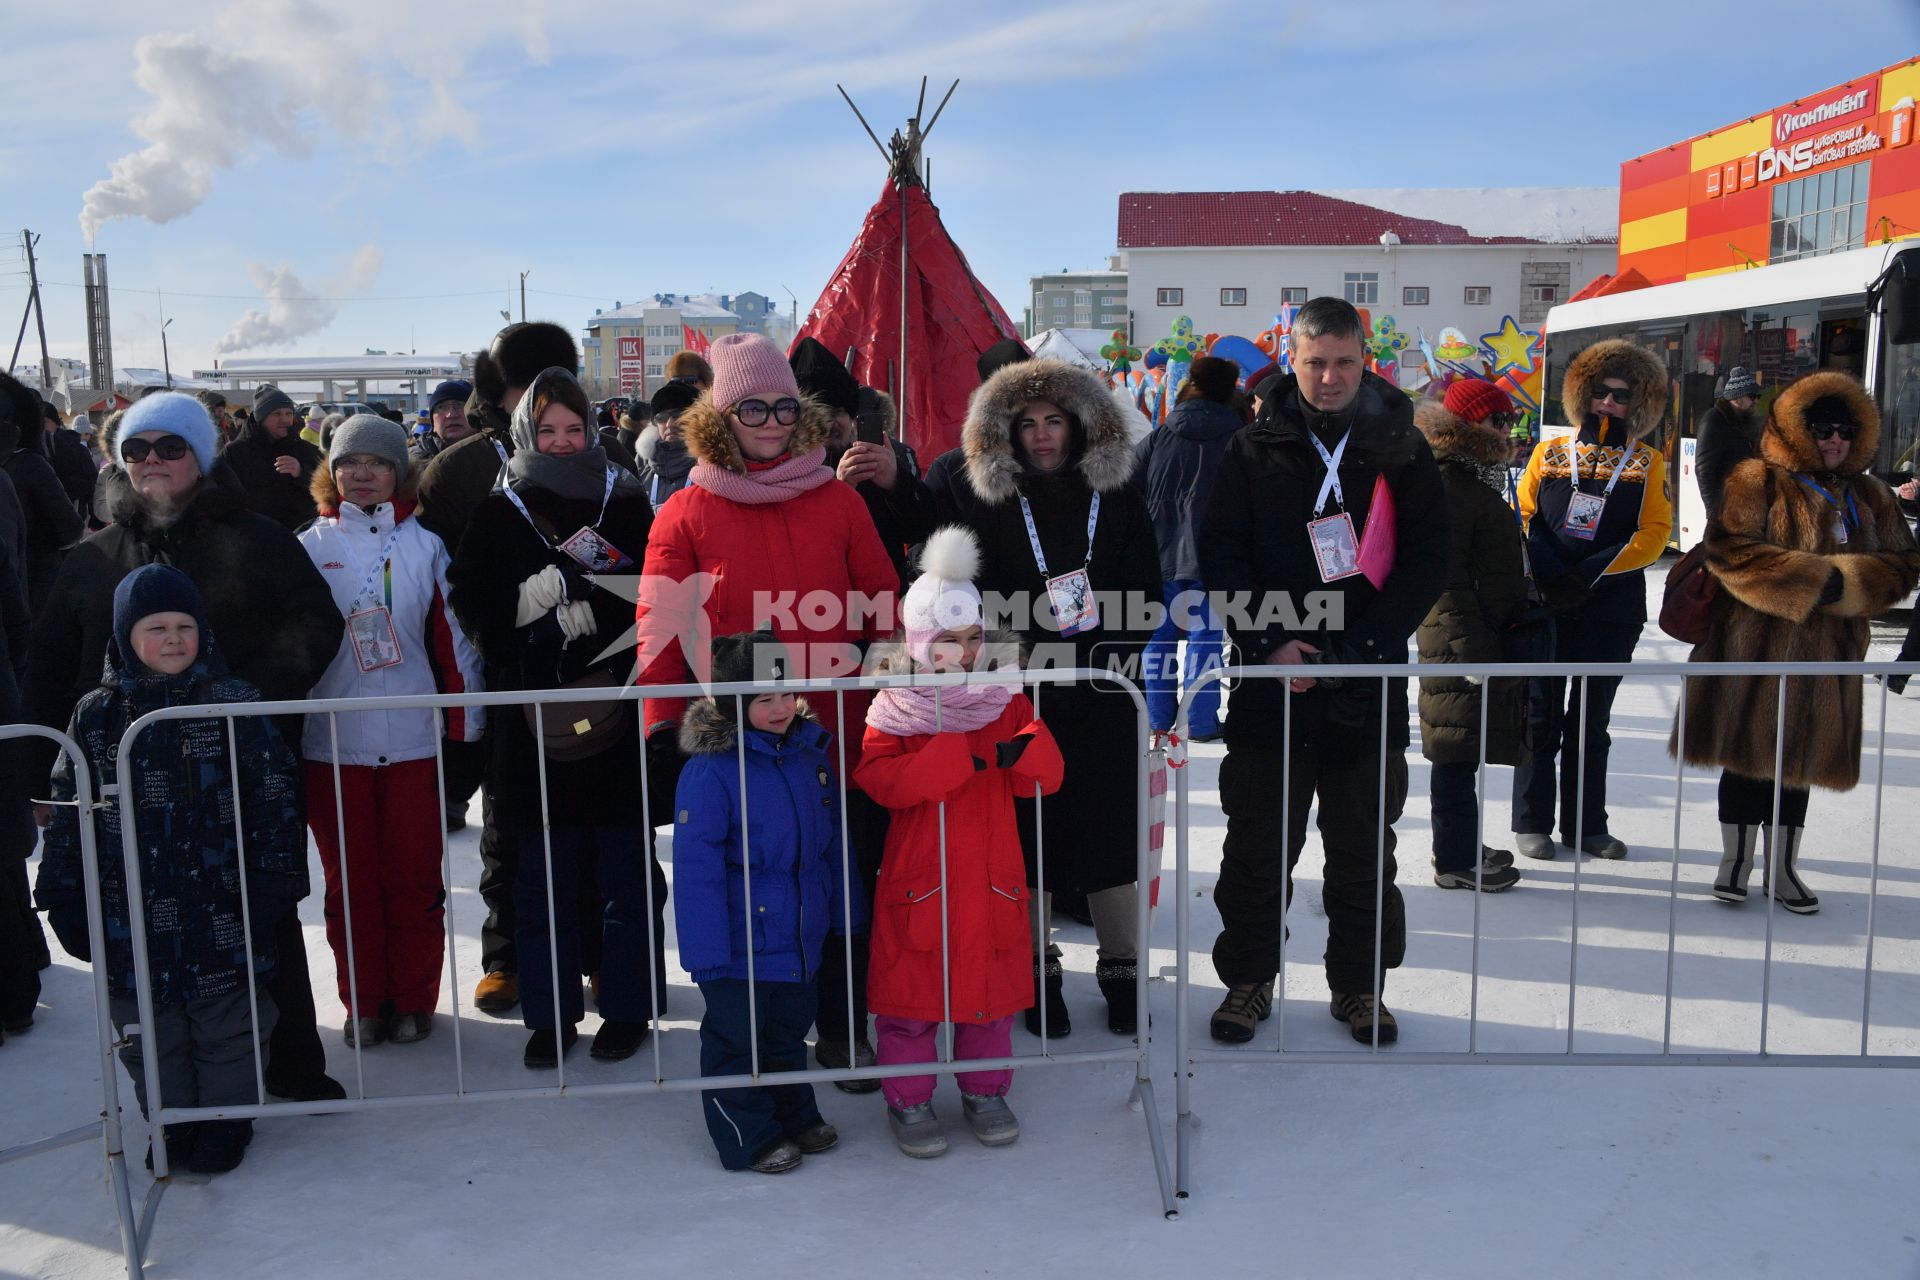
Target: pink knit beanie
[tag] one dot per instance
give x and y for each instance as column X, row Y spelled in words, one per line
column 746, row 365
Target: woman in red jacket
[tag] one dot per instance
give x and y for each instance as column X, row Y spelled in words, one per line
column 950, row 934
column 764, row 536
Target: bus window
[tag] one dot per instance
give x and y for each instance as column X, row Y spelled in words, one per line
column 1900, row 414
column 1717, row 344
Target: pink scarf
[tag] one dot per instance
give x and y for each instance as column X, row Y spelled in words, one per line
column 908, row 712
column 783, row 480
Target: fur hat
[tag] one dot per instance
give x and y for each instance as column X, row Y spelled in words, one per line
column 367, row 433
column 998, row 356
column 1639, row 368
column 1454, row 435
column 1476, row 399
column 1786, row 440
column 1211, row 378
column 986, row 441
column 822, row 376
column 943, row 597
column 175, row 414
column 746, row 365
column 520, row 352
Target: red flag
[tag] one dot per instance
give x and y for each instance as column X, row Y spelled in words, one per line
column 696, row 341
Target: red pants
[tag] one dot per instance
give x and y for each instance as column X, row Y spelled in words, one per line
column 393, row 821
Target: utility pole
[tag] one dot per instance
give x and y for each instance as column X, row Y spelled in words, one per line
column 523, row 294
column 166, row 361
column 27, row 241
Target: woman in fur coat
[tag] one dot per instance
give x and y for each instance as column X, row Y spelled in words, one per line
column 1807, row 548
column 1044, row 443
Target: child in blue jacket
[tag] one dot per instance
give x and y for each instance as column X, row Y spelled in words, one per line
column 181, row 783
column 773, row 853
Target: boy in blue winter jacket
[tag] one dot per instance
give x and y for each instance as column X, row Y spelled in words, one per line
column 179, row 777
column 773, row 853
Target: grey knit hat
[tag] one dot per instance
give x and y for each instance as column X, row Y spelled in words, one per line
column 1740, row 383
column 369, row 433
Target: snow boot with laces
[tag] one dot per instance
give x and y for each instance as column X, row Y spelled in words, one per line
column 1362, row 1014
column 1246, row 1005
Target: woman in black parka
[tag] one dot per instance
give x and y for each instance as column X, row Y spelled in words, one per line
column 540, row 622
column 1051, row 434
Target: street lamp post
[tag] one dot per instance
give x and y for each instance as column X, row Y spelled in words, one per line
column 165, row 360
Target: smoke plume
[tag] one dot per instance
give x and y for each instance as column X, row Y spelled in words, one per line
column 293, row 309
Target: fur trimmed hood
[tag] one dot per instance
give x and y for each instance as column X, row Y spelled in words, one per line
column 1617, row 358
column 1785, row 442
column 1451, row 436
column 1002, row 649
column 710, row 440
column 1106, row 460
column 708, row 729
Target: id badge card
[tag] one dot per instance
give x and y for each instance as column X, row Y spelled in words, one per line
column 1334, row 546
column 1583, row 516
column 1074, row 607
column 375, row 646
column 1840, row 529
column 594, row 553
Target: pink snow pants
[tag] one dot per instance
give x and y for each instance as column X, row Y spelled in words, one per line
column 910, row 1040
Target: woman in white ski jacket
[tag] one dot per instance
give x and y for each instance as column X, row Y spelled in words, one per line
column 389, row 580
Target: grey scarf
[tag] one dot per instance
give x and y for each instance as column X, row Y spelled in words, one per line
column 579, row 476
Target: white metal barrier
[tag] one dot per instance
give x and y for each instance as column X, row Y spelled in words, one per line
column 1135, row 1054
column 1189, row 1057
column 105, row 1128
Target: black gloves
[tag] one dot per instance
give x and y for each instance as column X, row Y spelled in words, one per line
column 1007, row 754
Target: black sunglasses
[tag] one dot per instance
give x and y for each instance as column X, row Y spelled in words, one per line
column 166, row 448
column 1845, row 430
column 753, row 413
column 1619, row 395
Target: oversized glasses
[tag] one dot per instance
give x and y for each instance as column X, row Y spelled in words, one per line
column 1845, row 430
column 753, row 413
column 166, row 448
column 1619, row 395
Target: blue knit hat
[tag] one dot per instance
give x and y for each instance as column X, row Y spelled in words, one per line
column 151, row 589
column 175, row 414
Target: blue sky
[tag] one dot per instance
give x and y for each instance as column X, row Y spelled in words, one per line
column 396, row 153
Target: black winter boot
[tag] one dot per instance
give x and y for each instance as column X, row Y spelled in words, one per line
column 1116, row 979
column 1047, row 979
column 220, row 1146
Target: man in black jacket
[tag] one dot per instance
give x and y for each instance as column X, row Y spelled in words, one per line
column 272, row 463
column 1282, row 535
column 1729, row 435
column 272, row 611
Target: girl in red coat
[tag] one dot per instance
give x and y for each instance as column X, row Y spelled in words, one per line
column 952, row 762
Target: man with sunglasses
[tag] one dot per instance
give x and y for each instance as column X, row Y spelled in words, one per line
column 1597, row 514
column 273, row 612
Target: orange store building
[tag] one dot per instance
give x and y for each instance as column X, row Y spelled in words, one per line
column 1831, row 171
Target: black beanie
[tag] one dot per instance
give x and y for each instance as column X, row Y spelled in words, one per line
column 998, row 356
column 268, row 399
column 822, row 376
column 522, row 352
column 151, row 589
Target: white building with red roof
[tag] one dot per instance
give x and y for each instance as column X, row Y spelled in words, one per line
column 1230, row 259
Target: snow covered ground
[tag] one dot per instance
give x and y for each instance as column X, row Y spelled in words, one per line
column 1303, row 1168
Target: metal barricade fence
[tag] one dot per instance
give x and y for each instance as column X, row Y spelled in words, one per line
column 1189, row 1057
column 660, row 1080
column 105, row 1128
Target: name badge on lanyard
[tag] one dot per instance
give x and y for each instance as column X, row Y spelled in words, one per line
column 585, row 547
column 1070, row 594
column 376, row 645
column 1584, row 509
column 1335, row 548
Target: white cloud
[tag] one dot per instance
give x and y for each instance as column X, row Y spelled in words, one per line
column 293, row 309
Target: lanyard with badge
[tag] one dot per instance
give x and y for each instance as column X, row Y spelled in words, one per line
column 376, row 645
column 1846, row 519
column 1070, row 594
column 586, row 547
column 1334, row 546
column 1584, row 509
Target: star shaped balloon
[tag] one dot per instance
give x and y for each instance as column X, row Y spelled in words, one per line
column 1118, row 355
column 1512, row 347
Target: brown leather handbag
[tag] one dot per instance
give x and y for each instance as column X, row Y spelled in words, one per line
column 576, row 731
column 1691, row 588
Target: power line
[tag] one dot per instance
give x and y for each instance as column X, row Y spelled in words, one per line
column 257, row 297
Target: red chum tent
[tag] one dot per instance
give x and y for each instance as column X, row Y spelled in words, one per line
column 950, row 318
